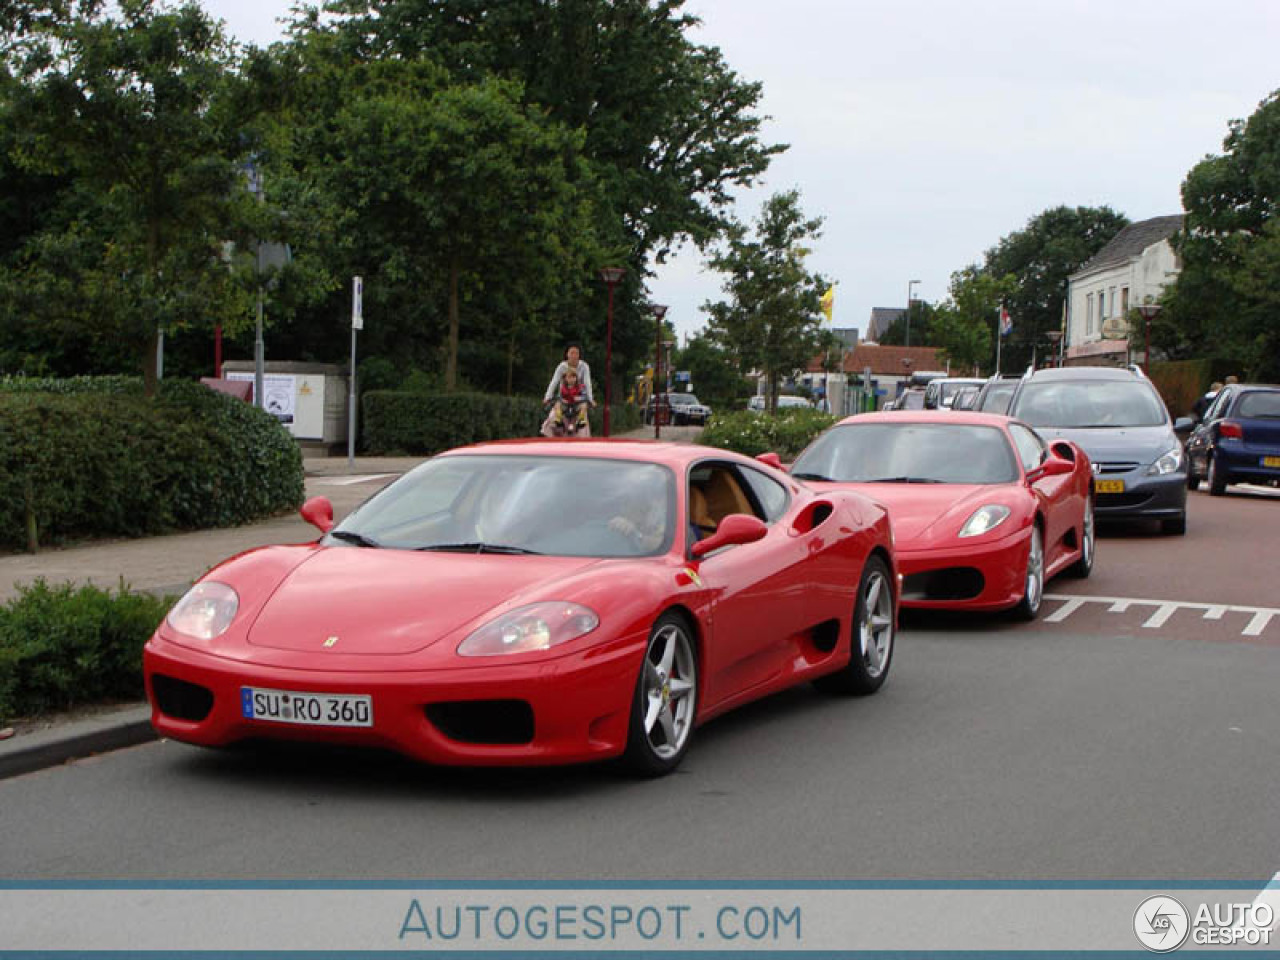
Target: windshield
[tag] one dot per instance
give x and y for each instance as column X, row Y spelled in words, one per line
column 909, row 452
column 560, row 506
column 1090, row 403
column 997, row 397
column 950, row 389
column 680, row 399
column 1260, row 404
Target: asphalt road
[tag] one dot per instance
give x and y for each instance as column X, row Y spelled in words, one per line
column 1094, row 746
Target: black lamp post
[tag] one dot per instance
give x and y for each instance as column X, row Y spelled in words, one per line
column 612, row 276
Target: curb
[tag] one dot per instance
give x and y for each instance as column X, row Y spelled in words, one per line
column 28, row 752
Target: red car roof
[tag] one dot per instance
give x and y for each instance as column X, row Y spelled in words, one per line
column 968, row 417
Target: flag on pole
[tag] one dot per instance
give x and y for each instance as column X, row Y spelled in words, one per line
column 1006, row 322
column 828, row 302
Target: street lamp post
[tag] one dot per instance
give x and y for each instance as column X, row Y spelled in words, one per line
column 659, row 311
column 909, row 286
column 1148, row 311
column 612, row 276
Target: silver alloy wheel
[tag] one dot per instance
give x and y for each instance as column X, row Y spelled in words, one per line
column 670, row 689
column 875, row 632
column 1035, row 571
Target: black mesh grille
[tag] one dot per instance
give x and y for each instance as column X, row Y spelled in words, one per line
column 177, row 698
column 484, row 721
column 950, row 583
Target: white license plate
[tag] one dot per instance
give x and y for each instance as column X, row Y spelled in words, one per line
column 307, row 709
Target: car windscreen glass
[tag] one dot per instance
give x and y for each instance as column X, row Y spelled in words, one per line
column 1259, row 404
column 1085, row 404
column 910, row 452
column 997, row 397
column 559, row 506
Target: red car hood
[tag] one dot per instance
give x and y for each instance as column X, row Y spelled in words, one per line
column 922, row 514
column 394, row 601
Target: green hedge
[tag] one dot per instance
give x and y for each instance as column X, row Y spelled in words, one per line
column 1182, row 382
column 93, row 457
column 65, row 646
column 785, row 434
column 404, row 422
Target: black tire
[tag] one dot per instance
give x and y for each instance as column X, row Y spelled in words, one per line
column 1028, row 607
column 1217, row 477
column 1088, row 544
column 650, row 753
column 872, row 636
column 1174, row 526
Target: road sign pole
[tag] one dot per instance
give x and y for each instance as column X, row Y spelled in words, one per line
column 357, row 323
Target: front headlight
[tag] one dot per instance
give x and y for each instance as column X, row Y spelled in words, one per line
column 206, row 611
column 1170, row 462
column 536, row 626
column 985, row 519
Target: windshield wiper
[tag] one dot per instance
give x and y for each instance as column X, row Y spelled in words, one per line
column 477, row 547
column 904, row 480
column 813, row 476
column 351, row 537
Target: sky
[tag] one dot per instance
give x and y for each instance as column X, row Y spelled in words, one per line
column 923, row 131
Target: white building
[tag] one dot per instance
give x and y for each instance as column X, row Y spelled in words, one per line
column 1130, row 270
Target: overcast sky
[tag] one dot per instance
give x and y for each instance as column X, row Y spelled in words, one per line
column 923, row 131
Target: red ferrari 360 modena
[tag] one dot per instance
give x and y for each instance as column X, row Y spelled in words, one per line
column 984, row 512
column 536, row 602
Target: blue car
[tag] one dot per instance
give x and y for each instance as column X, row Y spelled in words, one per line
column 1238, row 441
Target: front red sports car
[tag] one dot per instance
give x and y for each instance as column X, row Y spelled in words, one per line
column 984, row 512
column 533, row 603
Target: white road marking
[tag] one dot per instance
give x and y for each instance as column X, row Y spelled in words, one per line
column 1067, row 609
column 1158, row 618
column 1260, row 617
column 348, row 481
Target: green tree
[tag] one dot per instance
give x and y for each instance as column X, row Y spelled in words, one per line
column 716, row 378
column 132, row 108
column 963, row 324
column 771, row 321
column 921, row 326
column 1226, row 300
column 1053, row 245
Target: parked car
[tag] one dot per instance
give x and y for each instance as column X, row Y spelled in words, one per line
column 536, row 602
column 683, row 408
column 964, row 398
column 785, row 402
column 941, row 392
column 1238, row 441
column 910, row 399
column 984, row 511
column 1116, row 416
column 994, row 395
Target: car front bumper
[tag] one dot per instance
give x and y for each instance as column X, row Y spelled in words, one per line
column 1143, row 496
column 579, row 704
column 987, row 576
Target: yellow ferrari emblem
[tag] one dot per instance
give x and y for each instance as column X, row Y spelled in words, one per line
column 692, row 574
column 330, row 641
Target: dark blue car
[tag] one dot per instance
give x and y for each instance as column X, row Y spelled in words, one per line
column 1238, row 441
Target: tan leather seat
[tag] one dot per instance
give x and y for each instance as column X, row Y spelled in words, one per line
column 724, row 496
column 699, row 515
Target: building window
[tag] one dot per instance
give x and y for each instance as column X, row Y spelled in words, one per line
column 1124, row 301
column 1088, row 322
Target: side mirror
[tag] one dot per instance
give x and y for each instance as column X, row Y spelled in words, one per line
column 1183, row 426
column 318, row 512
column 1053, row 467
column 772, row 459
column 734, row 529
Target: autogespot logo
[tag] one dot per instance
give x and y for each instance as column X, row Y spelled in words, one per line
column 1161, row 924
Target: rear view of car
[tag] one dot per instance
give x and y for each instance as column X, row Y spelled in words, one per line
column 1118, row 419
column 1239, row 439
